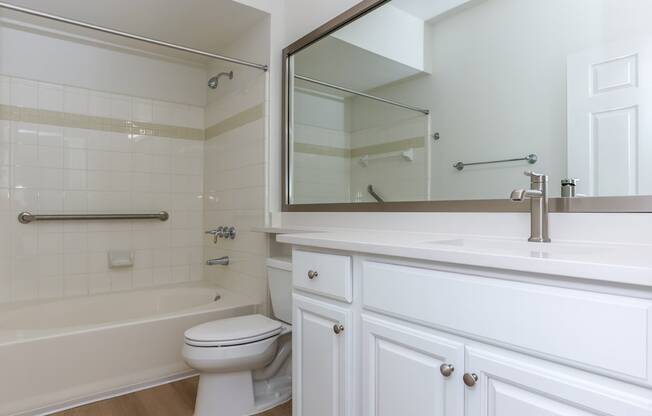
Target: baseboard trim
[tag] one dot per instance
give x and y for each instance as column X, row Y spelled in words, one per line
column 59, row 407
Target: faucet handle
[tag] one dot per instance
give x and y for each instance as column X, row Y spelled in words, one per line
column 536, row 177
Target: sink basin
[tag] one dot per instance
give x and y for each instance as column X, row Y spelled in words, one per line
column 520, row 248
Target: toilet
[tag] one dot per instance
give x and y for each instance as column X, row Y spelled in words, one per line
column 244, row 363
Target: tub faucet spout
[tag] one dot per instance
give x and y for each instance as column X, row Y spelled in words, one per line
column 222, row 261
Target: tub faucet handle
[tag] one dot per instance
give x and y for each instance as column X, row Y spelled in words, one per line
column 216, row 232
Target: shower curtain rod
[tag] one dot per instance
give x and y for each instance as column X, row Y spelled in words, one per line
column 130, row 36
column 362, row 94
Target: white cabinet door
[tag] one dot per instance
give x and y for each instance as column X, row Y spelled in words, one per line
column 609, row 123
column 406, row 371
column 510, row 385
column 322, row 362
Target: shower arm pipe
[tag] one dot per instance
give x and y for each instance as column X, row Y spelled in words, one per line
column 362, row 94
column 130, row 35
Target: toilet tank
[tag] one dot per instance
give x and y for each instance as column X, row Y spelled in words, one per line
column 279, row 276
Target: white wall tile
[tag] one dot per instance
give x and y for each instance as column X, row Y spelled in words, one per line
column 121, row 107
column 24, row 133
column 45, row 168
column 142, row 110
column 25, row 155
column 76, row 100
column 99, row 104
column 50, row 157
column 74, row 159
column 5, row 90
column 50, row 200
column 75, row 285
column 74, row 179
column 162, row 112
column 50, row 97
column 24, row 93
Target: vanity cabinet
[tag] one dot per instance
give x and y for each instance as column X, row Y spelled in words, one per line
column 409, row 372
column 321, row 358
column 391, row 337
column 512, row 385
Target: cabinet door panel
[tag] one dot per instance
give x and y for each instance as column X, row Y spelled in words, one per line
column 321, row 359
column 401, row 371
column 512, row 385
column 608, row 333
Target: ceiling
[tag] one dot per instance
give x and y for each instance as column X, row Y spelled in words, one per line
column 430, row 9
column 337, row 62
column 208, row 25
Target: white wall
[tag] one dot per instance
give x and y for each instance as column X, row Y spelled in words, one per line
column 388, row 32
column 303, row 16
column 501, row 93
column 30, row 52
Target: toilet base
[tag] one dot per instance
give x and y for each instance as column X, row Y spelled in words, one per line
column 225, row 394
column 271, row 393
column 234, row 394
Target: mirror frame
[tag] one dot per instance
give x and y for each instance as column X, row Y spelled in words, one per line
column 604, row 204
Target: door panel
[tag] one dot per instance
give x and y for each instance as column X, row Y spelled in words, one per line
column 510, row 384
column 401, row 371
column 321, row 359
column 609, row 127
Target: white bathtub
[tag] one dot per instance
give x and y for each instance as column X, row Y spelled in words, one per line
column 61, row 353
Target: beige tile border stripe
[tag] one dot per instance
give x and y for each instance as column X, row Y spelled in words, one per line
column 316, row 149
column 395, row 146
column 79, row 121
column 238, row 120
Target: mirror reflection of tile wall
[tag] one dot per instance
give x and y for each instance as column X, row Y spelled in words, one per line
column 502, row 79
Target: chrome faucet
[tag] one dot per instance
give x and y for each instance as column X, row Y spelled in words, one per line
column 222, row 261
column 538, row 195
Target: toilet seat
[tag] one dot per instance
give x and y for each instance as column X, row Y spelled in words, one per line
column 229, row 332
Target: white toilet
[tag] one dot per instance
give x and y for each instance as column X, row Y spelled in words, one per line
column 244, row 363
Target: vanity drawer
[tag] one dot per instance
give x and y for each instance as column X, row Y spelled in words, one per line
column 606, row 332
column 324, row 274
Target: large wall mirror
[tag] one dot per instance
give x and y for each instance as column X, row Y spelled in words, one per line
column 443, row 104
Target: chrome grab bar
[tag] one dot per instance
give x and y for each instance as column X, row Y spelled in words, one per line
column 26, row 217
column 531, row 159
column 373, row 193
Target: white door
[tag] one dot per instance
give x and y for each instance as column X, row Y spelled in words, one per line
column 321, row 358
column 509, row 384
column 410, row 372
column 610, row 119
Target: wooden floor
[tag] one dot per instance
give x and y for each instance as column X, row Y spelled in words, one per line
column 174, row 399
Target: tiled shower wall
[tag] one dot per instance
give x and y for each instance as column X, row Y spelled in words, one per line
column 65, row 149
column 234, row 173
column 321, row 148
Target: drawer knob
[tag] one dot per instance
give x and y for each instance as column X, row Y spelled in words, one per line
column 446, row 369
column 470, row 379
column 338, row 328
column 312, row 274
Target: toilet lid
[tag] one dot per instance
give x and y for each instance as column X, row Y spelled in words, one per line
column 233, row 331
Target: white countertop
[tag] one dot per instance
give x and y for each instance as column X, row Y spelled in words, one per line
column 620, row 263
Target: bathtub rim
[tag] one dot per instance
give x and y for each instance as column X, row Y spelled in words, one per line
column 235, row 301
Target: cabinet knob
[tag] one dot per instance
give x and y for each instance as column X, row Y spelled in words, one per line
column 470, row 379
column 312, row 274
column 446, row 369
column 338, row 328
